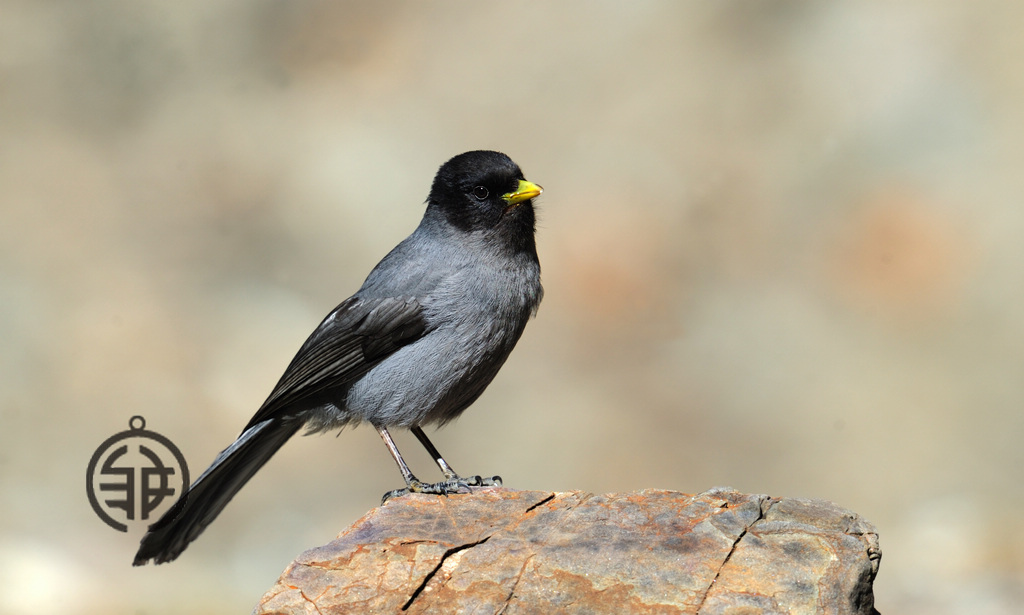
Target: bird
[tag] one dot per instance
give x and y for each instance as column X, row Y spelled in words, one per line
column 416, row 345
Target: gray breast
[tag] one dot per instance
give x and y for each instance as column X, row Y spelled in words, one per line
column 476, row 318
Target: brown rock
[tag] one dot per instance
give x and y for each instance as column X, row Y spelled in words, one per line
column 507, row 551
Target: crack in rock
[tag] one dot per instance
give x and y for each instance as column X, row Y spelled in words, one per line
column 765, row 506
column 311, row 601
column 515, row 584
column 430, row 575
column 539, row 504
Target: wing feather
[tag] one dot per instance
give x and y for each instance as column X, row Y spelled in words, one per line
column 353, row 338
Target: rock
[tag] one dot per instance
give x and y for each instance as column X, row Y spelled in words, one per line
column 506, row 551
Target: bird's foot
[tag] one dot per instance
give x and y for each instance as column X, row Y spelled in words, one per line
column 442, row 488
column 478, row 481
column 452, row 484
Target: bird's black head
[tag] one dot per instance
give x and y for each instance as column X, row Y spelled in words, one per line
column 485, row 191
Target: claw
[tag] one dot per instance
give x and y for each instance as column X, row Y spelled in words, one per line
column 454, row 484
column 479, row 481
column 395, row 493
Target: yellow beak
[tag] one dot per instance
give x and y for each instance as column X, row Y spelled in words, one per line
column 524, row 192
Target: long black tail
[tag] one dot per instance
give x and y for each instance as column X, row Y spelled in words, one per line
column 212, row 491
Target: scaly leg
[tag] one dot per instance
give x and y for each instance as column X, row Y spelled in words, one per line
column 453, row 483
column 449, row 473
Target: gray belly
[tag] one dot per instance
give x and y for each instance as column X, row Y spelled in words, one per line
column 433, row 379
column 478, row 318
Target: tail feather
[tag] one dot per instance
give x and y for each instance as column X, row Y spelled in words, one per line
column 211, row 492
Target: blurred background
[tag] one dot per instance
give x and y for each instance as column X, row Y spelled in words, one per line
column 781, row 242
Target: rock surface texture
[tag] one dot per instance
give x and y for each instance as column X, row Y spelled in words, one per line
column 506, row 551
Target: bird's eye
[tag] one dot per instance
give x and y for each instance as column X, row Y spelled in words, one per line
column 480, row 192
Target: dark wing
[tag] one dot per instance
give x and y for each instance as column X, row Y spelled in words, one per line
column 353, row 338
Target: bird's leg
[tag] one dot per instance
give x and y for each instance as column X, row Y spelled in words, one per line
column 411, row 482
column 452, row 483
column 451, row 477
column 403, row 467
